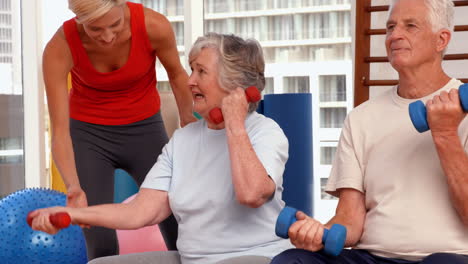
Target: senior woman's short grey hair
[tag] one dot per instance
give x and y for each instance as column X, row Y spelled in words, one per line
column 240, row 61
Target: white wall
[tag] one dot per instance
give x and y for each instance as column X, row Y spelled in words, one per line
column 54, row 13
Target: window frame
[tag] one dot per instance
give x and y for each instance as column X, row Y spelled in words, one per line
column 33, row 94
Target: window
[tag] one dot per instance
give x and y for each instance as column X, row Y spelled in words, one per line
column 333, row 97
column 166, row 7
column 164, row 86
column 323, row 194
column 332, row 117
column 269, row 84
column 332, row 88
column 11, row 99
column 307, row 53
column 327, row 154
column 174, row 12
column 12, row 150
column 231, row 6
column 333, row 107
column 298, row 84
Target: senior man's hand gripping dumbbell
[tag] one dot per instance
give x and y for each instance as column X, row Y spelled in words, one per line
column 333, row 239
column 418, row 112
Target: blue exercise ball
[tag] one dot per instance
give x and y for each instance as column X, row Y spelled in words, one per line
column 19, row 244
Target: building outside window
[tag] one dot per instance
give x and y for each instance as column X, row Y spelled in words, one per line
column 269, row 86
column 296, row 84
column 11, row 99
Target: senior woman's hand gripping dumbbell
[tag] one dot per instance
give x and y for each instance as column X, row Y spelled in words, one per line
column 418, row 112
column 251, row 94
column 333, row 239
column 59, row 220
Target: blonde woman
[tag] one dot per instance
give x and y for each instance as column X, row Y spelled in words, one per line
column 111, row 117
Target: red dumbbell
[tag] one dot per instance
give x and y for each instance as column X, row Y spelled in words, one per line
column 251, row 94
column 59, row 220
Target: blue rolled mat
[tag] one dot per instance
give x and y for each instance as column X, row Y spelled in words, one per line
column 260, row 107
column 293, row 112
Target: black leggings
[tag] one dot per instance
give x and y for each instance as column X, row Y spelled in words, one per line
column 99, row 150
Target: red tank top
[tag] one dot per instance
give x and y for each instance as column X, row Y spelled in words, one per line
column 120, row 97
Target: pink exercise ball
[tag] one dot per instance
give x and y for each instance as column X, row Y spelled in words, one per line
column 145, row 239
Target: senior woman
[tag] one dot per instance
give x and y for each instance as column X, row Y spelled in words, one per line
column 222, row 182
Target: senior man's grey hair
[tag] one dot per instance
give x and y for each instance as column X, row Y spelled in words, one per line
column 440, row 14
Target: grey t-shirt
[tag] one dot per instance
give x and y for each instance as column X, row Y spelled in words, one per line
column 194, row 168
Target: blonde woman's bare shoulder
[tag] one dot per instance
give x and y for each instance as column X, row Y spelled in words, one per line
column 57, row 49
column 159, row 28
column 156, row 23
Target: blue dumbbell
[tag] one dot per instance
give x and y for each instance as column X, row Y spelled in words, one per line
column 333, row 239
column 418, row 113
